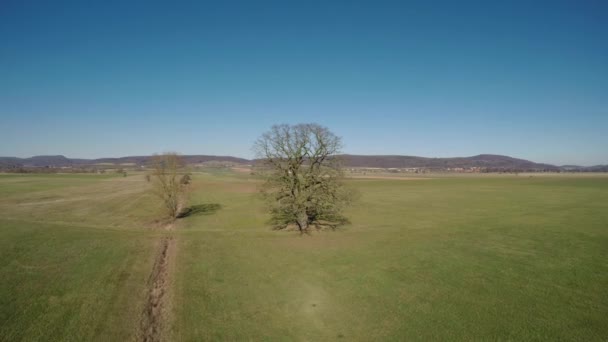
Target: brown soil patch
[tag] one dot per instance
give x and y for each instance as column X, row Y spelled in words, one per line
column 389, row 177
column 156, row 309
column 242, row 169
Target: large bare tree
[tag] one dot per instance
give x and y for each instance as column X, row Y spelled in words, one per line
column 167, row 183
column 302, row 175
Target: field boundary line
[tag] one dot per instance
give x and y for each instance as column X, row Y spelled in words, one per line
column 74, row 225
column 156, row 309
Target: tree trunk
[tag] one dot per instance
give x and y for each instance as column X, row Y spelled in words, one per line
column 302, row 221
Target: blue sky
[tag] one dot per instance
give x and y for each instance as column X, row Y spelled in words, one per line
column 457, row 78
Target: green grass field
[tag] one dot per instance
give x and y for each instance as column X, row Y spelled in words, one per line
column 446, row 258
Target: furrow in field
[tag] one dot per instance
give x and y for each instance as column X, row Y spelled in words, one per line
column 154, row 316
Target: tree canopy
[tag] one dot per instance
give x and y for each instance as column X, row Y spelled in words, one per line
column 166, row 182
column 303, row 176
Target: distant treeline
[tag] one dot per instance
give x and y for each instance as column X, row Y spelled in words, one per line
column 120, row 169
column 479, row 163
column 53, row 170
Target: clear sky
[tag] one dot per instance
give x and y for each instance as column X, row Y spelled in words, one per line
column 527, row 79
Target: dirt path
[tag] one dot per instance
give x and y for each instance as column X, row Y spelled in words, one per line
column 156, row 310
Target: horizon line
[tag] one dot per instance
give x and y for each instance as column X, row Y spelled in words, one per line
column 347, row 154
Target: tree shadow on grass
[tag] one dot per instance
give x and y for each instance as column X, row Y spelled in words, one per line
column 200, row 209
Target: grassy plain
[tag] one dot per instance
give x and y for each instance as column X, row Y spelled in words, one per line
column 447, row 258
column 75, row 256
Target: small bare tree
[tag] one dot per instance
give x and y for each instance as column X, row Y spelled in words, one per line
column 166, row 182
column 302, row 175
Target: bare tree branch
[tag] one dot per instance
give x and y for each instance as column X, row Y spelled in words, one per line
column 166, row 182
column 303, row 177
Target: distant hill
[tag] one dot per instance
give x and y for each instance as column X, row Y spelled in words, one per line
column 36, row 161
column 482, row 160
column 143, row 160
column 485, row 161
column 10, row 162
column 62, row 161
column 596, row 168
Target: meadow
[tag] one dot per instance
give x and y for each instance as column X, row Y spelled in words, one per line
column 486, row 257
